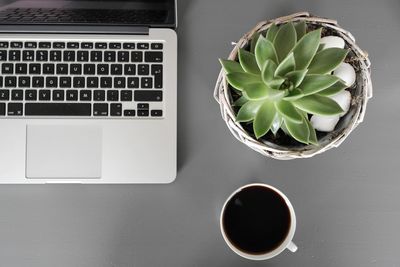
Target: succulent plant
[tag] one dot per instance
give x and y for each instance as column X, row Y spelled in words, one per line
column 283, row 78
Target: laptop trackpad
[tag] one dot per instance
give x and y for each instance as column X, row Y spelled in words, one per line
column 63, row 151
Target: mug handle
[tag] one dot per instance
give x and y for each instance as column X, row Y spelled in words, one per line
column 292, row 247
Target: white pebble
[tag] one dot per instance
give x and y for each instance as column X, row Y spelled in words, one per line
column 346, row 72
column 332, row 41
column 344, row 100
column 324, row 123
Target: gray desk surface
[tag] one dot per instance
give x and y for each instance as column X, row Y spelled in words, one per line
column 347, row 200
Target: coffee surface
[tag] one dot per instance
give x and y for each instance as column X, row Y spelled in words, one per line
column 256, row 220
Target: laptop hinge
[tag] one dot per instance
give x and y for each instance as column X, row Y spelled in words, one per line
column 75, row 29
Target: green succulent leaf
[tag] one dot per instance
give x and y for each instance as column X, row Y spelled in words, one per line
column 294, row 95
column 256, row 91
column 314, row 83
column 312, row 134
column 298, row 131
column 320, row 47
column 240, row 79
column 289, row 111
column 248, row 111
column 327, row 60
column 301, row 29
column 277, row 123
column 231, row 66
column 296, row 77
column 287, row 65
column 254, row 41
column 276, row 82
column 240, row 102
column 268, row 71
column 285, row 40
column 306, row 49
column 264, row 119
column 271, row 33
column 318, row 105
column 334, row 89
column 248, row 62
column 264, row 51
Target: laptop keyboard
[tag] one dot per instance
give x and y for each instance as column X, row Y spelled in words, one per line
column 81, row 79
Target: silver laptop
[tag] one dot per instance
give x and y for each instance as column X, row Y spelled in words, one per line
column 88, row 91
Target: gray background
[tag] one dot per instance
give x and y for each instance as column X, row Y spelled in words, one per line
column 346, row 200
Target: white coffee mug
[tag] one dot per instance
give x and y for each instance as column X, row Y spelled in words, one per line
column 286, row 244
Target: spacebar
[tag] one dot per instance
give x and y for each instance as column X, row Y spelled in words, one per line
column 57, row 109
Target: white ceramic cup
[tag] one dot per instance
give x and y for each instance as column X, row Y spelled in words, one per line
column 286, row 244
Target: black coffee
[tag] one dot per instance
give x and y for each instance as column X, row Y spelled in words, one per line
column 256, row 220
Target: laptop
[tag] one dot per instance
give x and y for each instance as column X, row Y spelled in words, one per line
column 88, row 91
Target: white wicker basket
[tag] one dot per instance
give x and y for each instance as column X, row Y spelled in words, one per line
column 361, row 93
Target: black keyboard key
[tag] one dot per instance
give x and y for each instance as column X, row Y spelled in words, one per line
column 58, row 95
column 65, row 82
column 153, row 57
column 137, row 56
column 148, row 96
column 4, row 94
column 83, row 56
column 147, row 83
column 96, row 56
column 69, row 56
column 133, row 82
column 157, row 46
column 21, row 68
column 28, row 55
column 129, row 69
column 142, row 46
column 129, row 45
column 42, row 55
column 116, row 110
column 75, row 69
column 143, row 106
column 115, row 46
column 44, row 95
column 30, row 45
column 55, row 55
column 1, row 81
column 87, row 45
column 37, row 82
column 73, row 45
column 126, row 96
column 119, row 82
column 59, row 45
column 109, row 56
column 99, row 95
column 3, row 55
column 157, row 71
column 17, row 94
column 72, row 95
column 100, row 109
column 143, row 69
column 92, row 82
column 58, row 109
column 112, row 95
column 15, row 109
column 24, row 81
column 123, row 56
column 89, row 69
column 2, row 109
column 143, row 113
column 101, row 45
column 86, row 95
column 156, row 113
column 16, row 45
column 51, row 82
column 79, row 82
column 34, row 68
column 48, row 69
column 116, row 69
column 44, row 45
column 62, row 69
column 10, row 81
column 30, row 95
column 14, row 55
column 102, row 69
column 3, row 44
column 129, row 113
column 105, row 82
column 7, row 68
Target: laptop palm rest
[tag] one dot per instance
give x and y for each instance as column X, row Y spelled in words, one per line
column 63, row 151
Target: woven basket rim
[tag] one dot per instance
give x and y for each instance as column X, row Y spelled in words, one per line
column 222, row 91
